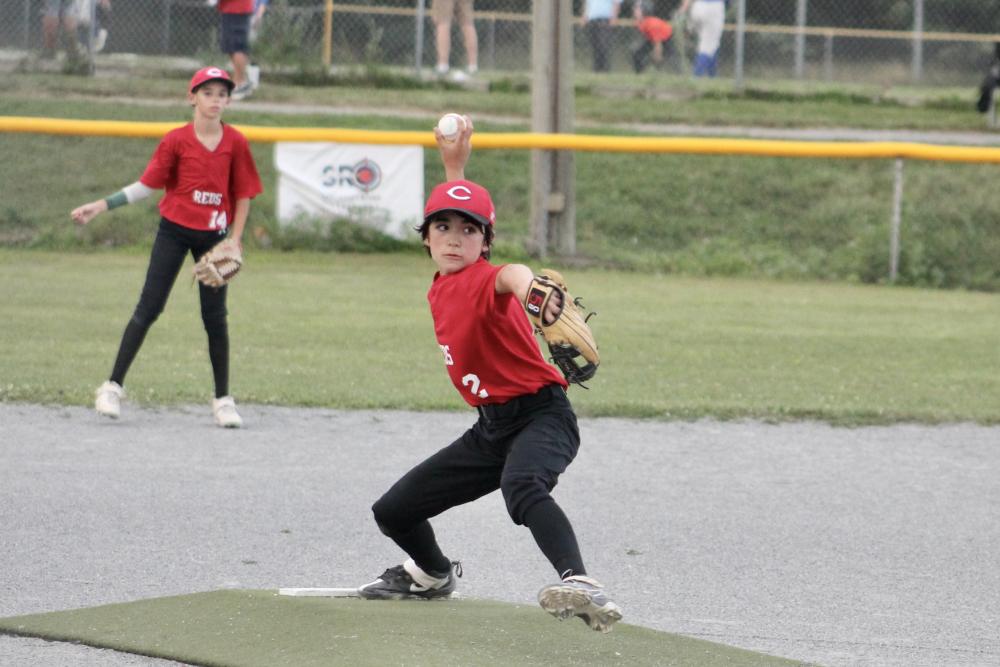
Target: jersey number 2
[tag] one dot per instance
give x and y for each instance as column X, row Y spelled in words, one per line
column 472, row 382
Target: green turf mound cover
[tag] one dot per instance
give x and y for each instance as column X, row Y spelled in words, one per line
column 254, row 627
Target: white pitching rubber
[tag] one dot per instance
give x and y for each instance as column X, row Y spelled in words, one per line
column 320, row 592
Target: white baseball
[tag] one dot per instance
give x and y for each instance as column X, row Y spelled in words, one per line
column 450, row 125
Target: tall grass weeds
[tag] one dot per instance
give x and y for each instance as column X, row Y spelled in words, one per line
column 674, row 214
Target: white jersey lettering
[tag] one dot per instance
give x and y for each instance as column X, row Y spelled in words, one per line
column 472, row 382
column 448, row 361
column 206, row 198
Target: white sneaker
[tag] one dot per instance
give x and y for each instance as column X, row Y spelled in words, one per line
column 225, row 413
column 100, row 40
column 242, row 91
column 109, row 399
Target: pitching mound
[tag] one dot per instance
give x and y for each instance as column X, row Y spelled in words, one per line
column 255, row 627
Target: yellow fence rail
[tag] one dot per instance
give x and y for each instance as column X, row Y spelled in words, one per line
column 530, row 140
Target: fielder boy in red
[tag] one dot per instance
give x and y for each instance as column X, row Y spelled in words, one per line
column 209, row 175
column 526, row 434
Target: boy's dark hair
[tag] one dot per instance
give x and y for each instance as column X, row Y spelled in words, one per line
column 487, row 230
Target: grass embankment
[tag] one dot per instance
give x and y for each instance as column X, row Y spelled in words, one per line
column 621, row 98
column 354, row 331
column 694, row 215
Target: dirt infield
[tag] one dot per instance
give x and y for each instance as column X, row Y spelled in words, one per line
column 869, row 546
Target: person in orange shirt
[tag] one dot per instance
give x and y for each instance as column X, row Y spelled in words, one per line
column 655, row 34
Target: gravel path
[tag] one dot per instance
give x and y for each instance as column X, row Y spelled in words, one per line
column 868, row 546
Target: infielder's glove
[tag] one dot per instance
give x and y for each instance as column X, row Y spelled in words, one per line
column 220, row 264
column 568, row 335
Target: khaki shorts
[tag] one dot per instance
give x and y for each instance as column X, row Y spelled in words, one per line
column 442, row 10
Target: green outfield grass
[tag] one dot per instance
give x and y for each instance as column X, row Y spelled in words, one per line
column 354, row 331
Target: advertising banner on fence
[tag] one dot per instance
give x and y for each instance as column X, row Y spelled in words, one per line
column 378, row 186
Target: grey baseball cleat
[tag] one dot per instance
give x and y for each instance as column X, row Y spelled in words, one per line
column 580, row 596
column 409, row 581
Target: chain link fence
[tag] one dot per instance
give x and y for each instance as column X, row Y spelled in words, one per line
column 866, row 41
column 848, row 41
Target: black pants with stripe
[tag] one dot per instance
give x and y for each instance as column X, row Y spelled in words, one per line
column 172, row 245
column 520, row 447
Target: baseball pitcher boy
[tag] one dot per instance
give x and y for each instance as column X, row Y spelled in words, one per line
column 526, row 434
column 209, row 176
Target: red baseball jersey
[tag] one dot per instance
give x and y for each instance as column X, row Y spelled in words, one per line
column 202, row 186
column 236, row 6
column 489, row 346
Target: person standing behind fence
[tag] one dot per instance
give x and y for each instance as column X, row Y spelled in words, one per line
column 655, row 34
column 443, row 10
column 100, row 11
column 60, row 14
column 259, row 9
column 598, row 17
column 234, row 40
column 707, row 18
column 253, row 69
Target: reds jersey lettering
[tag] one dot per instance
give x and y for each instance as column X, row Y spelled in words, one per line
column 207, row 198
column 489, row 346
column 448, row 361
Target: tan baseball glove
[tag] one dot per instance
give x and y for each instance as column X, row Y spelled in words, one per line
column 220, row 264
column 567, row 335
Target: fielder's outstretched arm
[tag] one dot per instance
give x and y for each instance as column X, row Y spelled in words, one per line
column 127, row 195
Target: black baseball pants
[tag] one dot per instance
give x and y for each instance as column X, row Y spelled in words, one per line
column 172, row 244
column 520, row 447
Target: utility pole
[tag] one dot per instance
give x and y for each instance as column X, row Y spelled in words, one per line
column 800, row 39
column 740, row 48
column 553, row 173
column 917, row 66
